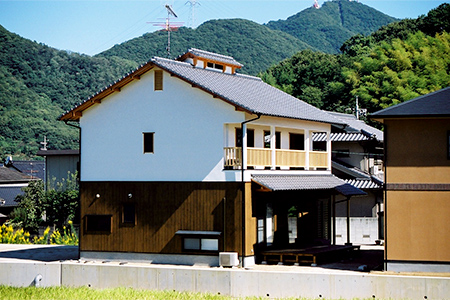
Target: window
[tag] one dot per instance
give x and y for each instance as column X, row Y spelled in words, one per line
column 98, row 223
column 214, row 66
column 319, row 146
column 201, row 244
column 238, row 135
column 250, row 138
column 129, row 214
column 158, row 80
column 148, row 142
column 296, row 141
column 267, row 139
column 199, row 240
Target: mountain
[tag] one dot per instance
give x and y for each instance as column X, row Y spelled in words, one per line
column 256, row 46
column 332, row 24
column 38, row 83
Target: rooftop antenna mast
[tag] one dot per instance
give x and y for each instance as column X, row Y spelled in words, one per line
column 168, row 25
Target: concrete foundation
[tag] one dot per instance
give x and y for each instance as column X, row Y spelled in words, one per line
column 272, row 282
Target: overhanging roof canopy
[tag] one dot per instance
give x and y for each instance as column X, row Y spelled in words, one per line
column 306, row 183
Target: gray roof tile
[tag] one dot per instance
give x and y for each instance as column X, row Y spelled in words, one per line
column 247, row 92
column 306, row 182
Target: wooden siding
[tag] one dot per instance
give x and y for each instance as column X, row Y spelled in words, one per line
column 162, row 208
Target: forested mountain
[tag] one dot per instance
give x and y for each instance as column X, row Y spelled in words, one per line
column 37, row 83
column 255, row 46
column 260, row 46
column 394, row 64
column 332, row 24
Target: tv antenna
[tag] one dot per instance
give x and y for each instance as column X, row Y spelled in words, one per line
column 193, row 4
column 169, row 26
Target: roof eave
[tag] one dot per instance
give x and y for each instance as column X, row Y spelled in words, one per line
column 77, row 112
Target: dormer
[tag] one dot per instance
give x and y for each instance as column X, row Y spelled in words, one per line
column 211, row 61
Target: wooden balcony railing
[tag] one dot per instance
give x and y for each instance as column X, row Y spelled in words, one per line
column 283, row 158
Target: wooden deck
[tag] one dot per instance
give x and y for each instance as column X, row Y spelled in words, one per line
column 311, row 255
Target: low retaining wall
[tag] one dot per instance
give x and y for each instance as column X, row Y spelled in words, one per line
column 233, row 282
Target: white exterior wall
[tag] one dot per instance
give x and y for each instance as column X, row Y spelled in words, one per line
column 188, row 139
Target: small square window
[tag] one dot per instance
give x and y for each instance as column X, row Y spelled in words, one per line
column 148, row 142
column 98, row 223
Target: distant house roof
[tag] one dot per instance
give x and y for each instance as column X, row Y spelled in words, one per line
column 358, row 126
column 9, row 175
column 9, row 193
column 58, row 152
column 32, row 168
column 436, row 104
column 246, row 93
column 306, row 182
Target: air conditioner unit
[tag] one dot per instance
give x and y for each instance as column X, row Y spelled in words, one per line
column 228, row 259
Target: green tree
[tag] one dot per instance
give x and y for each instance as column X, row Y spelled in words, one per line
column 28, row 214
column 61, row 201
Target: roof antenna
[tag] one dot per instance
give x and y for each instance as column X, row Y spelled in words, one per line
column 169, row 26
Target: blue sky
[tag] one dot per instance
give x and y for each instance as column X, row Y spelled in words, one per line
column 91, row 27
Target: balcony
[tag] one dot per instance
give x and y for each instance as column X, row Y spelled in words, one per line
column 262, row 157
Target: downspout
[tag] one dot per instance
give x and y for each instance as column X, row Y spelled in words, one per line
column 243, row 187
column 79, row 179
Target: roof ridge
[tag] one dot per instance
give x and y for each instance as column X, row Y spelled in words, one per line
column 211, row 53
column 248, row 76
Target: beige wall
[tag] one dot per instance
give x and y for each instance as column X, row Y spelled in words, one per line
column 418, row 207
column 416, row 151
column 418, row 225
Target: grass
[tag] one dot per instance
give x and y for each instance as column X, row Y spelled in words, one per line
column 85, row 293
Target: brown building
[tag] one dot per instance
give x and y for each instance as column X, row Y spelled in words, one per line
column 417, row 177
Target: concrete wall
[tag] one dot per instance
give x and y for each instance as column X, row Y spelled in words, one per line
column 233, row 282
column 362, row 230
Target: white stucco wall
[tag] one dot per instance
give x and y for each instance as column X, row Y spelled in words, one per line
column 191, row 129
column 188, row 139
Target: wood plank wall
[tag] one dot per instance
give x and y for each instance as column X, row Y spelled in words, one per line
column 162, row 208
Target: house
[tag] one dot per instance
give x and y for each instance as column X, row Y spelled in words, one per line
column 58, row 163
column 11, row 184
column 357, row 158
column 417, row 183
column 183, row 159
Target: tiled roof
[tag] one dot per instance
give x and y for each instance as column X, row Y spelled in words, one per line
column 364, row 184
column 9, row 175
column 215, row 57
column 247, row 92
column 32, row 168
column 358, row 126
column 306, row 182
column 340, row 137
column 435, row 104
column 58, row 152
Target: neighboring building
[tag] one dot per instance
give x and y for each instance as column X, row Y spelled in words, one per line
column 168, row 176
column 58, row 163
column 417, row 183
column 357, row 158
column 11, row 184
